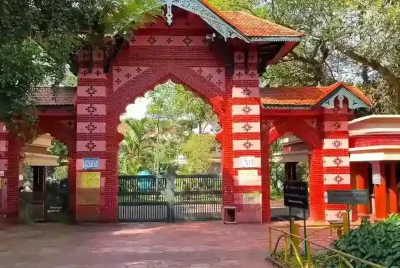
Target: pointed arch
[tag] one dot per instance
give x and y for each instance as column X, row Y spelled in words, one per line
column 146, row 81
column 297, row 127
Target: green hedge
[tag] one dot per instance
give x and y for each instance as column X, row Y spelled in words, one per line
column 378, row 243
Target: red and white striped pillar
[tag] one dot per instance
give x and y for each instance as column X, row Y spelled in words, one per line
column 246, row 135
column 91, row 133
column 336, row 158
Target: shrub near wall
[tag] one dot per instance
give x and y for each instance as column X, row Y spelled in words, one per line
column 378, row 243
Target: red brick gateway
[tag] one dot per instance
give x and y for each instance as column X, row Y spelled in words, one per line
column 219, row 56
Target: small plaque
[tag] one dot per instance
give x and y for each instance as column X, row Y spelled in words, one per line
column 1, row 173
column 91, row 164
column 247, row 161
column 88, row 198
column 248, row 173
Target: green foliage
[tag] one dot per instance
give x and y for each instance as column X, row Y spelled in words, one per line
column 134, row 153
column 351, row 40
column 198, row 152
column 59, row 149
column 176, row 103
column 378, row 243
column 162, row 140
column 38, row 37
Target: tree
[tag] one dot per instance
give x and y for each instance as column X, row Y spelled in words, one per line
column 178, row 104
column 352, row 40
column 59, row 149
column 38, row 37
column 139, row 136
column 198, row 152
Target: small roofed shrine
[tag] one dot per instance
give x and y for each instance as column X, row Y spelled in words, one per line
column 220, row 57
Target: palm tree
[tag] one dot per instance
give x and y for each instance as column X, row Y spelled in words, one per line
column 138, row 137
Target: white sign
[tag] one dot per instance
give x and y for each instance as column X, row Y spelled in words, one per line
column 376, row 173
column 91, row 163
column 247, row 161
column 1, row 173
column 248, row 173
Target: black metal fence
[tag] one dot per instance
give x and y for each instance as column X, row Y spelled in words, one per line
column 169, row 199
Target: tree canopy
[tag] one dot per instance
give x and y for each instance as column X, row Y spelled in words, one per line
column 38, row 37
column 351, row 40
column 175, row 124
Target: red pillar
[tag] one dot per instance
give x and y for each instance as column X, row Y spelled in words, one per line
column 72, row 183
column 380, row 194
column 265, row 174
column 12, row 178
column 392, row 188
column 317, row 201
column 362, row 181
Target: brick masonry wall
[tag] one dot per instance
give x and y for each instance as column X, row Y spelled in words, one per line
column 9, row 164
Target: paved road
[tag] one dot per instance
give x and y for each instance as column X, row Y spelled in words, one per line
column 186, row 245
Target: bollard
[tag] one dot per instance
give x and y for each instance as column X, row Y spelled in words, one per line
column 309, row 260
column 270, row 239
column 295, row 237
column 285, row 250
column 346, row 222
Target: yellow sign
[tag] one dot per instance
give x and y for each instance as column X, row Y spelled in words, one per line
column 1, row 181
column 89, row 180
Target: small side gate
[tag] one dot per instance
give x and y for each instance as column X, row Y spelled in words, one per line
column 169, row 199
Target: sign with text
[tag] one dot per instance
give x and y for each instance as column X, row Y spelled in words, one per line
column 295, row 194
column 354, row 197
column 89, row 180
column 88, row 198
column 248, row 173
column 376, row 173
column 91, row 164
column 247, row 161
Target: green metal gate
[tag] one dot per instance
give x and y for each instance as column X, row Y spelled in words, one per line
column 169, row 199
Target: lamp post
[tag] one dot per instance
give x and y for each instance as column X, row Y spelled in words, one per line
column 157, row 160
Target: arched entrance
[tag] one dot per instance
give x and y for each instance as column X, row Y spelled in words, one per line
column 219, row 56
column 308, row 132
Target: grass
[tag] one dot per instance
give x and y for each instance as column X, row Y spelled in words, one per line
column 317, row 260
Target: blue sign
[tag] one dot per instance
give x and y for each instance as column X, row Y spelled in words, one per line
column 91, row 163
column 144, row 173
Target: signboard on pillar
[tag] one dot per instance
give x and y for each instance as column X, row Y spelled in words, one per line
column 247, row 161
column 89, row 180
column 91, row 164
column 376, row 173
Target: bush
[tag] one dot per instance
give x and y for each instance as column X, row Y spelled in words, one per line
column 378, row 243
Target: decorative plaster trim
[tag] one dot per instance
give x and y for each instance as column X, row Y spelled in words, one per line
column 372, row 157
column 374, row 148
column 336, row 143
column 381, row 131
column 337, row 179
column 354, row 101
column 275, row 39
column 206, row 14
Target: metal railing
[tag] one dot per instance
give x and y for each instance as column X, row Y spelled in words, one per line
column 291, row 243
